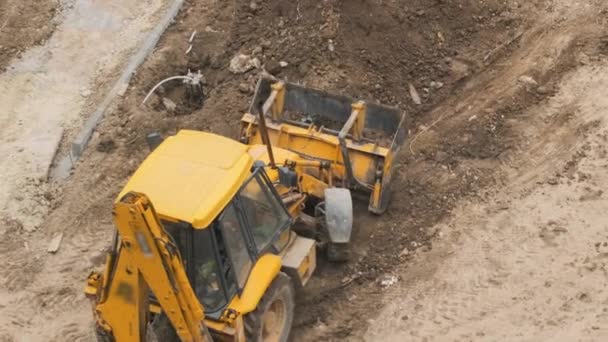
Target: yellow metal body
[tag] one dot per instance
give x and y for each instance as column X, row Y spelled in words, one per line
column 318, row 146
column 144, row 260
column 358, row 154
column 191, row 178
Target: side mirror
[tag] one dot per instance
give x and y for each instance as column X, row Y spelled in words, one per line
column 287, row 177
column 153, row 139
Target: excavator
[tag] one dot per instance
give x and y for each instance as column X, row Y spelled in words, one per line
column 214, row 237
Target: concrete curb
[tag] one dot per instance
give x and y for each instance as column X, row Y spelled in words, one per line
column 80, row 142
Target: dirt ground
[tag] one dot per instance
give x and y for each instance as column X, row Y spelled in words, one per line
column 23, row 24
column 495, row 229
column 45, row 92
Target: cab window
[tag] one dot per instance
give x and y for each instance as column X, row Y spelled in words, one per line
column 264, row 213
column 235, row 244
column 207, row 277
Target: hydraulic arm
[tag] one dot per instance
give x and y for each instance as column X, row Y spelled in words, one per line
column 144, row 259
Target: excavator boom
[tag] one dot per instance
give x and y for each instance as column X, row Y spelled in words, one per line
column 144, row 259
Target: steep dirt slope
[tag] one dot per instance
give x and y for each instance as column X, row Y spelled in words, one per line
column 528, row 261
column 525, row 261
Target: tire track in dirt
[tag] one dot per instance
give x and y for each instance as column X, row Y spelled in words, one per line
column 506, row 267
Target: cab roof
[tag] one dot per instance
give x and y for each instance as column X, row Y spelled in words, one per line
column 192, row 176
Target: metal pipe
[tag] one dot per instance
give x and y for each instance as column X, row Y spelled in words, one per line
column 164, row 81
column 264, row 135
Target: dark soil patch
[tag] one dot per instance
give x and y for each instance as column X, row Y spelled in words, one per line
column 24, row 23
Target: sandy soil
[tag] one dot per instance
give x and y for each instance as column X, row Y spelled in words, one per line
column 485, row 235
column 45, row 92
column 44, row 95
column 527, row 262
column 23, row 24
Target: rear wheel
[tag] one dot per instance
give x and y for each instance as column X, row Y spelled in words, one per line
column 272, row 319
column 337, row 252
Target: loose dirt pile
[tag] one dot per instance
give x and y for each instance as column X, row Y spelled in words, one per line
column 474, row 67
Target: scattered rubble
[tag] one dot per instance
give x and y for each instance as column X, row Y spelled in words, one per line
column 55, row 243
column 388, row 280
column 169, row 104
column 241, row 63
column 414, row 95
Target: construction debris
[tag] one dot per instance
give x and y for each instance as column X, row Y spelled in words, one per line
column 55, row 243
column 169, row 104
column 388, row 280
column 241, row 63
column 414, row 95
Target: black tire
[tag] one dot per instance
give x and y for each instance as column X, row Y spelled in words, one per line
column 280, row 296
column 162, row 330
column 337, row 252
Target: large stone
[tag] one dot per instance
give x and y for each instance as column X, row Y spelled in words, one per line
column 241, row 63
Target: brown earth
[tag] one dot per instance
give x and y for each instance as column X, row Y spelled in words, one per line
column 23, row 24
column 465, row 58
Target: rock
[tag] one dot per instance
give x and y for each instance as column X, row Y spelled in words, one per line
column 441, row 156
column 272, row 66
column 244, row 88
column 591, row 195
column 414, row 95
column 459, row 70
column 257, row 51
column 169, row 104
column 254, row 7
column 283, row 64
column 543, row 90
column 472, row 117
column 86, row 93
column 303, row 69
column 560, row 229
column 330, row 45
column 106, row 145
column 404, row 252
column 388, row 280
column 215, row 62
column 527, row 81
column 55, row 243
column 431, row 231
column 266, row 43
column 436, row 85
column 328, row 32
column 440, row 37
column 241, row 63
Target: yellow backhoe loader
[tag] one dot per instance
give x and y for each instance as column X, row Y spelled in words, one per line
column 209, row 244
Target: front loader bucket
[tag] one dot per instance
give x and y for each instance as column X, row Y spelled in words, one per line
column 359, row 139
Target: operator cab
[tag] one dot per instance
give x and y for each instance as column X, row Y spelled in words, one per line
column 224, row 214
column 218, row 259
